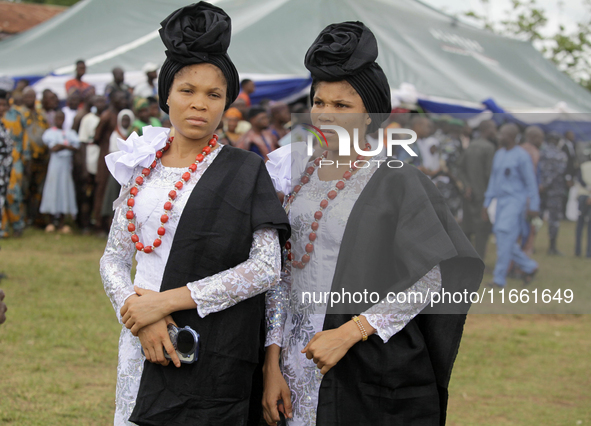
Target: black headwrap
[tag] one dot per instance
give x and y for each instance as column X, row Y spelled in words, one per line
column 195, row 34
column 347, row 51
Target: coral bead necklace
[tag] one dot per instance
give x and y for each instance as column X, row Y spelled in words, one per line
column 172, row 195
column 332, row 194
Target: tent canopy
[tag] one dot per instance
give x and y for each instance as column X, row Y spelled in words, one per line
column 434, row 52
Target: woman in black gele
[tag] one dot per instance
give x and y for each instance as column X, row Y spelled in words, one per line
column 362, row 230
column 206, row 227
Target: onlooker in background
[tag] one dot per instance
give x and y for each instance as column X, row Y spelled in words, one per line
column 59, row 194
column 36, row 168
column 552, row 170
column 6, row 147
column 149, row 87
column 125, row 119
column 76, row 85
column 155, row 113
column 280, row 116
column 512, row 182
column 451, row 150
column 243, row 124
column 20, row 85
column 106, row 126
column 84, row 108
column 421, row 125
column 301, row 114
column 466, row 136
column 533, row 139
column 13, row 214
column 568, row 145
column 5, row 167
column 16, row 101
column 247, row 88
column 141, row 109
column 474, row 170
column 17, row 94
column 85, row 182
column 257, row 139
column 584, row 198
column 265, row 103
column 166, row 121
column 229, row 135
column 118, row 85
column 71, row 109
column 49, row 105
column 3, row 307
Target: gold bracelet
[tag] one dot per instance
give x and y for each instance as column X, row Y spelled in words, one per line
column 361, row 327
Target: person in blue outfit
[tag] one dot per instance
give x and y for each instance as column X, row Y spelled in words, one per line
column 512, row 183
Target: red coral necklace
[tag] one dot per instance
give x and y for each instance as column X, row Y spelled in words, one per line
column 172, row 195
column 332, row 194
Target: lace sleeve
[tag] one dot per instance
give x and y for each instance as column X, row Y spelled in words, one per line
column 115, row 265
column 389, row 318
column 277, row 304
column 253, row 276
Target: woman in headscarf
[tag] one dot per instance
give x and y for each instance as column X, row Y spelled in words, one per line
column 205, row 225
column 125, row 118
column 362, row 230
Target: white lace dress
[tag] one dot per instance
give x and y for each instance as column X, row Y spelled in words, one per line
column 211, row 294
column 291, row 322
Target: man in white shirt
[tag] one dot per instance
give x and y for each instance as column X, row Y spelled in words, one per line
column 85, row 190
column 148, row 88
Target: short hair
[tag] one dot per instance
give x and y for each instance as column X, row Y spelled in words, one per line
column 245, row 82
column 152, row 100
column 80, row 61
column 254, row 111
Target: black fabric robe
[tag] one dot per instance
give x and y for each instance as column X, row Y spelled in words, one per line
column 233, row 198
column 399, row 229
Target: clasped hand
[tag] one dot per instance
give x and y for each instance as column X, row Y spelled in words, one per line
column 138, row 312
column 328, row 347
column 144, row 315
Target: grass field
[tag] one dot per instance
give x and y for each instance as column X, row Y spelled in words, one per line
column 58, row 347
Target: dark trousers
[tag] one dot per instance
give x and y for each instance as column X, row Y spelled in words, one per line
column 584, row 215
column 474, row 227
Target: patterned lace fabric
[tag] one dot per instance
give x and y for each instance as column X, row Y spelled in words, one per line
column 254, row 276
column 292, row 320
column 211, row 294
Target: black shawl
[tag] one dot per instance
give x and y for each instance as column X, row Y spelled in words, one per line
column 398, row 230
column 233, row 198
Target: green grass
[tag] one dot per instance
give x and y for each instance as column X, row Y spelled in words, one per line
column 58, row 347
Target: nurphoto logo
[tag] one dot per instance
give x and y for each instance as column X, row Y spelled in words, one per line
column 344, row 142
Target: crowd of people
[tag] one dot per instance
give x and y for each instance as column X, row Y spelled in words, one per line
column 54, row 164
column 507, row 175
column 52, row 156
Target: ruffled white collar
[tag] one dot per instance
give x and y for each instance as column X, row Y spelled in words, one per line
column 136, row 151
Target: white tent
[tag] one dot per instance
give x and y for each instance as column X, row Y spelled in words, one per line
column 424, row 53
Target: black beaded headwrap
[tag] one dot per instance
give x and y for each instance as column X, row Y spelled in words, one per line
column 196, row 34
column 347, row 51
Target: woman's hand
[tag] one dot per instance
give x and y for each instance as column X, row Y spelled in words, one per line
column 154, row 339
column 276, row 394
column 139, row 312
column 328, row 347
